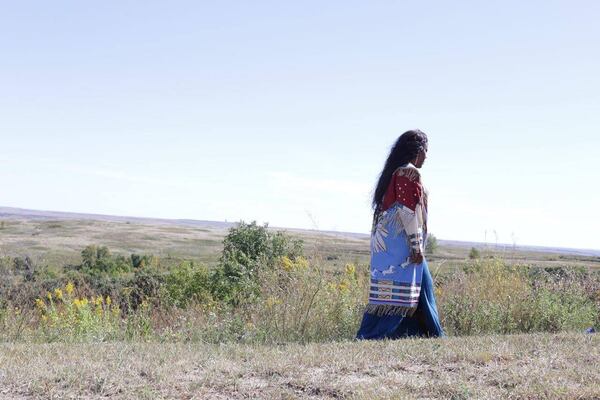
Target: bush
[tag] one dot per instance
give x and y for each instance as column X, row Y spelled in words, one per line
column 248, row 251
column 144, row 287
column 99, row 261
column 492, row 297
column 299, row 302
column 64, row 316
column 302, row 303
column 189, row 283
column 474, row 254
column 432, row 244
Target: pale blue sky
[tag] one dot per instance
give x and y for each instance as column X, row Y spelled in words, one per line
column 284, row 111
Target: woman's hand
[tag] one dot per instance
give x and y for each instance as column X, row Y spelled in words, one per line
column 416, row 257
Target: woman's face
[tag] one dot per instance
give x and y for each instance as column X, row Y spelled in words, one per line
column 420, row 160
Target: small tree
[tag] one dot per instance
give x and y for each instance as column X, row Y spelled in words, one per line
column 432, row 245
column 248, row 250
column 474, row 254
column 97, row 260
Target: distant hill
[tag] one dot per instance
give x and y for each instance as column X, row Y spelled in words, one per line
column 509, row 247
column 19, row 213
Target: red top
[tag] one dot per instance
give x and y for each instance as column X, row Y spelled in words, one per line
column 404, row 191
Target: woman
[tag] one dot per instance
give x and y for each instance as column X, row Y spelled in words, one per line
column 401, row 298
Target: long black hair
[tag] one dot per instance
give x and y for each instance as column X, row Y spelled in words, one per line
column 404, row 151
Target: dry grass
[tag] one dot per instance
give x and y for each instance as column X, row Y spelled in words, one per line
column 60, row 242
column 541, row 366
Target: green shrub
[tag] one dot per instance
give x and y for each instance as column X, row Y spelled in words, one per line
column 557, row 311
column 66, row 317
column 432, row 244
column 303, row 303
column 474, row 254
column 299, row 302
column 144, row 287
column 492, row 297
column 99, row 261
column 189, row 283
column 248, row 251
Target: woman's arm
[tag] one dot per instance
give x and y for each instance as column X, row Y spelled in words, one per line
column 414, row 233
column 409, row 193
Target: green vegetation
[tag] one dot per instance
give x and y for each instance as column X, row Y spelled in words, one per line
column 264, row 289
column 474, row 254
column 271, row 315
column 249, row 252
column 492, row 297
column 432, row 245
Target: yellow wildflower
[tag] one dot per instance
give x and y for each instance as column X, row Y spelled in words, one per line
column 77, row 303
column 58, row 293
column 344, row 285
column 69, row 288
column 271, row 301
column 98, row 301
column 302, row 263
column 286, row 263
column 84, row 302
column 49, row 296
column 108, row 300
column 39, row 303
column 350, row 269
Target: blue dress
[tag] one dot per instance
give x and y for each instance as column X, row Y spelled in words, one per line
column 401, row 293
column 424, row 322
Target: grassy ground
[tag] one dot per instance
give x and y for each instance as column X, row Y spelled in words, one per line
column 541, row 366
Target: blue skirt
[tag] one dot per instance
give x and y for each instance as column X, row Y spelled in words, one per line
column 424, row 322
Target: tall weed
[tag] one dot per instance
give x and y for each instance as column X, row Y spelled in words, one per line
column 489, row 296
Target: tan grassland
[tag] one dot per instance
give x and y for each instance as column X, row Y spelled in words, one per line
column 55, row 243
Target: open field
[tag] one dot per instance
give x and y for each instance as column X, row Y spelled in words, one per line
column 282, row 345
column 539, row 366
column 56, row 239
